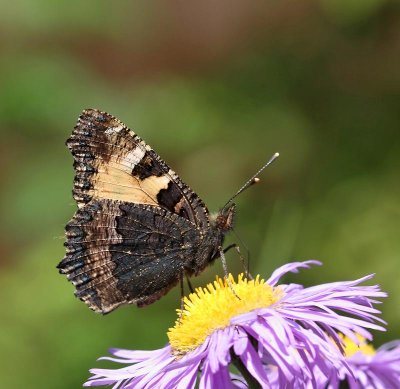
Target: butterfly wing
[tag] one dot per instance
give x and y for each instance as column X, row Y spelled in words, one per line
column 137, row 222
column 112, row 162
column 123, row 253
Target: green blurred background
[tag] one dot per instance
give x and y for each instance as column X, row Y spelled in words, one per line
column 216, row 88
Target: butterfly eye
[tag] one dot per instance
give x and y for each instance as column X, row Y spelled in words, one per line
column 225, row 219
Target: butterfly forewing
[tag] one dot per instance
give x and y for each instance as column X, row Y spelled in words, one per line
column 112, row 162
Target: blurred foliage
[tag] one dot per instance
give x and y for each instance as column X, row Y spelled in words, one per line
column 215, row 93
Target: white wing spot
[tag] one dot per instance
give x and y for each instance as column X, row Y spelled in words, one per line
column 113, row 130
column 134, row 156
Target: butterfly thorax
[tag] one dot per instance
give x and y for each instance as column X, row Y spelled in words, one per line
column 212, row 242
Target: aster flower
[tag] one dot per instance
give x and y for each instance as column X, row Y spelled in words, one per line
column 288, row 327
column 371, row 368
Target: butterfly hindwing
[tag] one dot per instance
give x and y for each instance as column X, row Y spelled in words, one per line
column 119, row 253
column 112, row 162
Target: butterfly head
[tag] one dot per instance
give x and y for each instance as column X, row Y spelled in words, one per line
column 226, row 218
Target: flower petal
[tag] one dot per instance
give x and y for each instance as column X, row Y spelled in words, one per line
column 292, row 267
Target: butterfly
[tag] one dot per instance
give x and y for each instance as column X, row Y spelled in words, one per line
column 139, row 229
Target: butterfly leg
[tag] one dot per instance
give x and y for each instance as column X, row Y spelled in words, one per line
column 226, row 275
column 182, row 296
column 242, row 260
column 189, row 284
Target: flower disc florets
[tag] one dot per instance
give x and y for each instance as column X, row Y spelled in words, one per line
column 212, row 308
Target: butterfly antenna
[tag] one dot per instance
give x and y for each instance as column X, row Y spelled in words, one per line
column 253, row 180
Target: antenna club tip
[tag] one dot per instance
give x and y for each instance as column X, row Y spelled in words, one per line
column 276, row 155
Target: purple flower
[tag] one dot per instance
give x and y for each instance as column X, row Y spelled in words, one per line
column 288, row 327
column 371, row 368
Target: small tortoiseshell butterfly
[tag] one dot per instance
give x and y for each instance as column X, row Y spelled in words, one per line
column 139, row 229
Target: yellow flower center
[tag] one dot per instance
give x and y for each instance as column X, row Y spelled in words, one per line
column 212, row 308
column 351, row 348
